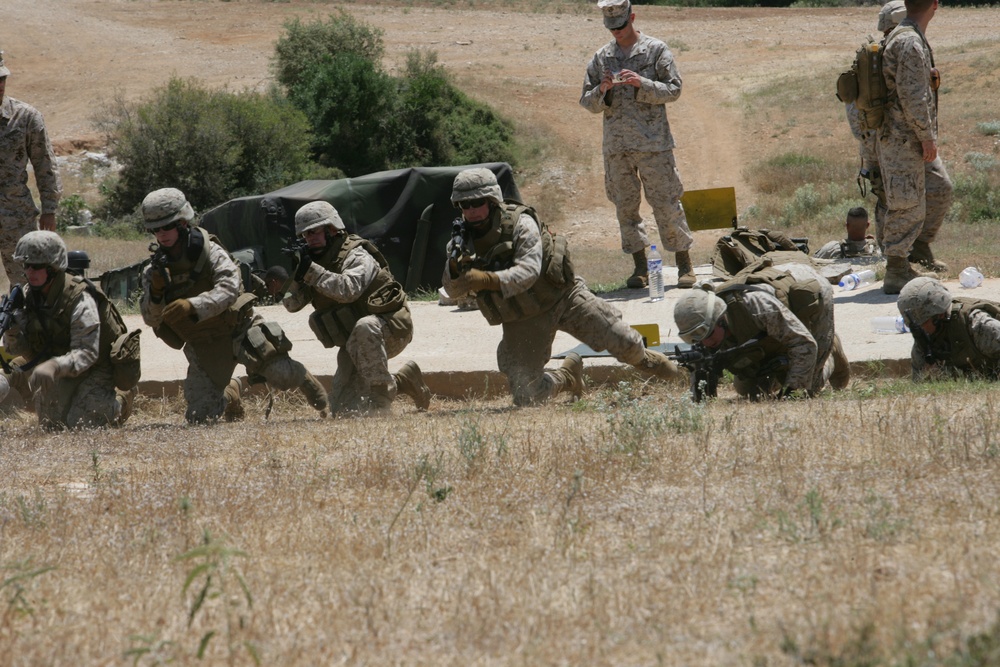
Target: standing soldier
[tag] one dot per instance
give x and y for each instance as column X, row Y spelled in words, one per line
column 794, row 351
column 917, row 188
column 630, row 80
column 193, row 300
column 358, row 307
column 524, row 281
column 67, row 335
column 23, row 138
column 952, row 336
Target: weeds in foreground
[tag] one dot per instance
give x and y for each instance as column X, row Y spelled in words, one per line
column 16, row 588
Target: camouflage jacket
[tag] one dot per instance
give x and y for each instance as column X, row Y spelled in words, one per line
column 23, row 138
column 906, row 65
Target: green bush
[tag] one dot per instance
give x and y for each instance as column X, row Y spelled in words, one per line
column 303, row 45
column 213, row 145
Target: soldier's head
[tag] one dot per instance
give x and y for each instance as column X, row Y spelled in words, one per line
column 43, row 256
column 476, row 192
column 890, row 15
column 916, row 8
column 275, row 279
column 4, row 73
column 857, row 224
column 923, row 302
column 78, row 262
column 618, row 16
column 698, row 316
column 317, row 222
column 167, row 214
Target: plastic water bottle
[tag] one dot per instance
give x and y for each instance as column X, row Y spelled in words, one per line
column 970, row 277
column 654, row 267
column 856, row 280
column 887, row 324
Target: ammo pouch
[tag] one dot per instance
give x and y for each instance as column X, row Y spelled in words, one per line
column 125, row 365
column 386, row 299
column 806, row 302
column 332, row 327
column 169, row 336
column 559, row 270
column 261, row 343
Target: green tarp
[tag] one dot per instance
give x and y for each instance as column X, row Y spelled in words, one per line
column 385, row 207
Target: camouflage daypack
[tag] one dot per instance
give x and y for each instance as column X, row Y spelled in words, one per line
column 744, row 246
column 864, row 83
column 803, row 297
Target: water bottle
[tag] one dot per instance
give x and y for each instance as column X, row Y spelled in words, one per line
column 887, row 324
column 654, row 267
column 970, row 277
column 856, row 280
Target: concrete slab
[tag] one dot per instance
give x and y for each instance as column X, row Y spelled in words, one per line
column 456, row 349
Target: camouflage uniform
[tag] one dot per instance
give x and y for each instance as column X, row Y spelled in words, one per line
column 918, row 193
column 869, row 162
column 527, row 343
column 859, row 252
column 638, row 145
column 966, row 343
column 212, row 360
column 363, row 362
column 23, row 138
column 807, row 352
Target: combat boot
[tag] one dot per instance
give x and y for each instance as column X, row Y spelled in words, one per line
column 234, row 402
column 314, row 393
column 640, row 276
column 570, row 374
column 410, row 381
column 685, row 272
column 922, row 254
column 841, row 375
column 898, row 272
column 125, row 400
column 658, row 366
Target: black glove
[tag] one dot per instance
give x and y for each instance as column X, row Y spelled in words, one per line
column 305, row 261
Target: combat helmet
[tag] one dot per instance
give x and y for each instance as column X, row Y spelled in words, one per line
column 891, row 14
column 3, row 68
column 317, row 214
column 41, row 247
column 921, row 299
column 164, row 206
column 476, row 183
column 696, row 314
column 78, row 262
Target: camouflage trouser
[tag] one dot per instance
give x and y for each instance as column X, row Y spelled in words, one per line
column 918, row 194
column 72, row 402
column 527, row 344
column 657, row 174
column 364, row 363
column 11, row 231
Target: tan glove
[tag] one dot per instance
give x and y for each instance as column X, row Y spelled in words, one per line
column 44, row 376
column 177, row 311
column 157, row 284
column 475, row 280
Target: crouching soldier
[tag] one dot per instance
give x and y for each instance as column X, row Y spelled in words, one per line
column 952, row 336
column 77, row 363
column 358, row 307
column 193, row 300
column 524, row 281
column 774, row 327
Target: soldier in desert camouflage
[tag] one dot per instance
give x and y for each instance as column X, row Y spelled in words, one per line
column 22, row 139
column 917, row 188
column 630, row 80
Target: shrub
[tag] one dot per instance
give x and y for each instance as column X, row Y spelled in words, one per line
column 304, row 45
column 213, row 145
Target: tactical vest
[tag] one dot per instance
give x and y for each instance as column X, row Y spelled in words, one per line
column 741, row 328
column 333, row 321
column 952, row 341
column 866, row 248
column 495, row 252
column 191, row 275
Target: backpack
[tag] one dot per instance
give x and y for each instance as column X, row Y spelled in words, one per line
column 803, row 297
column 744, row 246
column 864, row 84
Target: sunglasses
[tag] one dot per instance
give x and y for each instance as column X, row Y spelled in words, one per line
column 166, row 228
column 621, row 27
column 36, row 267
column 472, row 203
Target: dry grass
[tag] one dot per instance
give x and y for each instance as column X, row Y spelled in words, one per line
column 630, row 528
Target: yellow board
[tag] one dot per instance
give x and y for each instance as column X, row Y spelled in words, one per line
column 714, row 208
column 650, row 333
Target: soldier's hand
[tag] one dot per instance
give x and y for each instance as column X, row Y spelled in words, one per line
column 177, row 311
column 43, row 377
column 157, row 284
column 481, row 280
column 305, row 261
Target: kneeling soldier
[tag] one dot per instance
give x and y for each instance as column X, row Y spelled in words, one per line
column 358, row 307
column 193, row 300
column 69, row 338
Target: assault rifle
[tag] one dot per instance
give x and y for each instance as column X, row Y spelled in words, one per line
column 706, row 365
column 460, row 257
column 920, row 337
column 8, row 305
